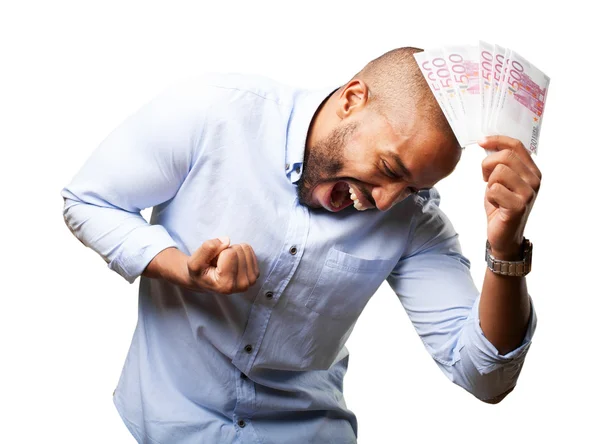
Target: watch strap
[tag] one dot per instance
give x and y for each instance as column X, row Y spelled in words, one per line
column 510, row 268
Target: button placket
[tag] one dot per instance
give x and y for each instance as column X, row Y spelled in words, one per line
column 283, row 270
column 246, row 398
column 249, row 343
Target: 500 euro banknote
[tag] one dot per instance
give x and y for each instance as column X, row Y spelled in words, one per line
column 521, row 102
column 430, row 64
column 463, row 67
column 485, row 90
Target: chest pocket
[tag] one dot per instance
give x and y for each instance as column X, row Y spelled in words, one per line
column 346, row 283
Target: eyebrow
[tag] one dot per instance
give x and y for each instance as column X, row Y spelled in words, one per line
column 401, row 166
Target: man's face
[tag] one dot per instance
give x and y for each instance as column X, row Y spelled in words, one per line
column 366, row 162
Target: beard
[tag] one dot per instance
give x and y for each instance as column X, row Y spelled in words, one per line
column 323, row 161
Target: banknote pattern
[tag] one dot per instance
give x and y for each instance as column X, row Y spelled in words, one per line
column 485, row 90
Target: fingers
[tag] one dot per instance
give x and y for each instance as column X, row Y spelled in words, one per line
column 233, row 269
column 512, row 160
column 226, row 272
column 501, row 197
column 252, row 263
column 511, row 191
column 503, row 143
column 507, row 164
column 237, row 269
column 242, row 281
column 507, row 177
column 201, row 258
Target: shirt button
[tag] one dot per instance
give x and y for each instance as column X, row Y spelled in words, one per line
column 242, row 423
column 298, row 170
column 269, row 295
column 293, row 250
column 287, row 166
column 248, row 348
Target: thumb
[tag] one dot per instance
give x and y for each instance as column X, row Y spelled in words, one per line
column 203, row 256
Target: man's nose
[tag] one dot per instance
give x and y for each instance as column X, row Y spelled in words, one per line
column 387, row 197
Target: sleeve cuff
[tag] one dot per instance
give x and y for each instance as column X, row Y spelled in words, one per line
column 141, row 246
column 486, row 357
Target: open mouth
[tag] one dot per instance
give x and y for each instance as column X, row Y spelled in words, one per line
column 342, row 195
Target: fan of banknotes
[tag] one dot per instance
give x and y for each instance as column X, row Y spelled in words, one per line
column 485, row 90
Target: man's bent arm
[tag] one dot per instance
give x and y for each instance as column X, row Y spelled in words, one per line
column 169, row 265
column 434, row 284
column 141, row 164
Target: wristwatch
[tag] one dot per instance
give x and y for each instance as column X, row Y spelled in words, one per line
column 510, row 268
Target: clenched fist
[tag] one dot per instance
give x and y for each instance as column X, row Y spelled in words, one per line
column 223, row 268
column 216, row 266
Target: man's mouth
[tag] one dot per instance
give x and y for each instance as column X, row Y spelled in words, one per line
column 342, row 195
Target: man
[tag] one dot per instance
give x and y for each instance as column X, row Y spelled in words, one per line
column 277, row 214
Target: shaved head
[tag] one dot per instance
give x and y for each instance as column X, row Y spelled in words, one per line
column 398, row 90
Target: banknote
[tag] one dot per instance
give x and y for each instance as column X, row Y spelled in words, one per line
column 497, row 79
column 486, row 60
column 449, row 89
column 463, row 62
column 522, row 102
column 429, row 71
column 487, row 89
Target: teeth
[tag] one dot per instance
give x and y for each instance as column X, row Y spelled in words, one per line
column 357, row 203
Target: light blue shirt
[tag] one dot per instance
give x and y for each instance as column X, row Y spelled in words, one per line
column 219, row 155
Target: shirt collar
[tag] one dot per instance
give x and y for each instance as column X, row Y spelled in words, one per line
column 306, row 104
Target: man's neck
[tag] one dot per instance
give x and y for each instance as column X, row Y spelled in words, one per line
column 322, row 121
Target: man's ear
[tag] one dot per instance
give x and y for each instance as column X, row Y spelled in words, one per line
column 353, row 97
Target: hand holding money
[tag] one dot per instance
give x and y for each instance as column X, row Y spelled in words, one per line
column 513, row 182
column 487, row 90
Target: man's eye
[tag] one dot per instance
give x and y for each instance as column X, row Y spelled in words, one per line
column 388, row 171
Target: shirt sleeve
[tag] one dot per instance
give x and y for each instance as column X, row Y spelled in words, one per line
column 141, row 164
column 434, row 284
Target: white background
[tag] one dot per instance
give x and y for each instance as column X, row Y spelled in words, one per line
column 72, row 71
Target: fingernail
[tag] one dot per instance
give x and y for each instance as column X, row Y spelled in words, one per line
column 224, row 239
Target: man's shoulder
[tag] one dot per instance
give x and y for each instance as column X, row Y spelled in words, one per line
column 239, row 85
column 429, row 223
column 421, row 208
